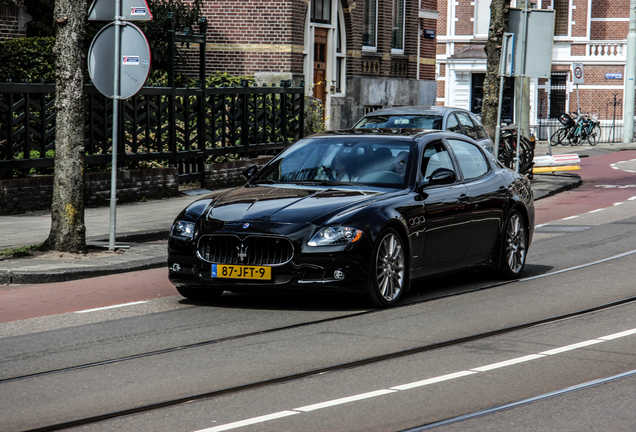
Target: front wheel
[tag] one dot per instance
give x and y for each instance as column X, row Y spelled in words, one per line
column 514, row 247
column 199, row 294
column 389, row 276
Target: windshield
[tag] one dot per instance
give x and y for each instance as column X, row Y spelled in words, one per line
column 401, row 121
column 383, row 161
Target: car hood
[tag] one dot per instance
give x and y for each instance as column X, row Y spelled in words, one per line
column 285, row 204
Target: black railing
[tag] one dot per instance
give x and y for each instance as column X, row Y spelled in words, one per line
column 184, row 127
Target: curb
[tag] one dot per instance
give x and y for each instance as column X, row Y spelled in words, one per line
column 19, row 277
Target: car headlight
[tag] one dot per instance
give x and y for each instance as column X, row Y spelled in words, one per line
column 183, row 229
column 334, row 236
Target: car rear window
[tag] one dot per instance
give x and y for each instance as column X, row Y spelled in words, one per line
column 401, row 122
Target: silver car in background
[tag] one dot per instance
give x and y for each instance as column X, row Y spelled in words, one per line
column 428, row 117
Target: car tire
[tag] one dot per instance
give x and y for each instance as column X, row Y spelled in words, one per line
column 199, row 294
column 389, row 273
column 514, row 246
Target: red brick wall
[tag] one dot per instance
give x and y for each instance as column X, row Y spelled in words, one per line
column 579, row 17
column 464, row 11
column 250, row 36
column 610, row 9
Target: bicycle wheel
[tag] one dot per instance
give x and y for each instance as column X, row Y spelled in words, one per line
column 595, row 135
column 559, row 136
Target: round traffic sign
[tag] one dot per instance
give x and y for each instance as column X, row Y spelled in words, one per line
column 134, row 62
column 578, row 72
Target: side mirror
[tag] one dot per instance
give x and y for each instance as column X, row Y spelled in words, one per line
column 441, row 176
column 250, row 171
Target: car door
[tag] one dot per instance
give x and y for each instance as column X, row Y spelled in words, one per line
column 447, row 212
column 488, row 198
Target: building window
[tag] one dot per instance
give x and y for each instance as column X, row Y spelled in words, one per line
column 558, row 86
column 561, row 17
column 477, row 96
column 321, row 11
column 482, row 17
column 397, row 33
column 370, row 24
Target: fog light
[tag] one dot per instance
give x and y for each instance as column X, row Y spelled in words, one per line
column 176, row 267
column 339, row 274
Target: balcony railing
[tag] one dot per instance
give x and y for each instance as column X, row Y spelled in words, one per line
column 614, row 50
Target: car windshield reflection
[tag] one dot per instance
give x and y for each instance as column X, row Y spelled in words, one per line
column 334, row 161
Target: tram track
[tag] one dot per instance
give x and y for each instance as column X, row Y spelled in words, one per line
column 333, row 368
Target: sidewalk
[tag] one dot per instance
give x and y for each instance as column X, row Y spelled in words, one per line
column 142, row 230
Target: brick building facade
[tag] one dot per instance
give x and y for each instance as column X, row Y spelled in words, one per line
column 13, row 20
column 593, row 33
column 354, row 55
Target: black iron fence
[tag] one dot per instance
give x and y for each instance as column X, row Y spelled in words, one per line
column 184, row 127
column 610, row 118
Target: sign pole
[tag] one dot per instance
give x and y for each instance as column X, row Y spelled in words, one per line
column 115, row 140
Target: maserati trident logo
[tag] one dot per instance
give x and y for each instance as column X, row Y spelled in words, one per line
column 242, row 252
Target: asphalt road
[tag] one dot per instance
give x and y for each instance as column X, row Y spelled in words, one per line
column 288, row 350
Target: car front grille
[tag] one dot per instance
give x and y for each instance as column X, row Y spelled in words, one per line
column 251, row 250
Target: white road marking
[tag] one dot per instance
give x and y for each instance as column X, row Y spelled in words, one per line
column 571, row 217
column 508, row 362
column 415, row 384
column 112, row 307
column 344, row 400
column 251, row 421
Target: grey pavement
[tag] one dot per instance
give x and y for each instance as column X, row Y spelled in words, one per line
column 142, row 230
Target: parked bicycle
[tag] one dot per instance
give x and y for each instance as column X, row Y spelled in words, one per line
column 586, row 128
column 508, row 151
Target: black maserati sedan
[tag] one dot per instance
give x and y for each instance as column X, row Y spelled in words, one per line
column 361, row 211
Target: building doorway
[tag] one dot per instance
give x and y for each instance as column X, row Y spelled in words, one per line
column 320, row 64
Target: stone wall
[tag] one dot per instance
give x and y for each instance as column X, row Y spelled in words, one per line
column 35, row 193
column 22, row 195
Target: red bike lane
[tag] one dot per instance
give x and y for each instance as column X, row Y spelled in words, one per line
column 607, row 180
column 20, row 302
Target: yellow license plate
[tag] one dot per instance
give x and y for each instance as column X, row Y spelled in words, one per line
column 241, row 272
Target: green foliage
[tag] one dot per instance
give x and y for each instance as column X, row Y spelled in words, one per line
column 22, row 251
column 220, row 79
column 314, row 122
column 185, row 15
column 27, row 59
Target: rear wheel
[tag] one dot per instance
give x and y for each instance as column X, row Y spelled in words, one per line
column 559, row 136
column 594, row 136
column 204, row 294
column 514, row 247
column 389, row 276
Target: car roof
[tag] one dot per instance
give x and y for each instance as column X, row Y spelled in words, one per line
column 421, row 109
column 383, row 132
column 392, row 132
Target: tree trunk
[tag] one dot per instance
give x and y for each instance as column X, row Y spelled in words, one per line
column 499, row 15
column 68, row 231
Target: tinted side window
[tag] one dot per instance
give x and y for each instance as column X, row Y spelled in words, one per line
column 471, row 160
column 435, row 156
column 469, row 126
column 452, row 125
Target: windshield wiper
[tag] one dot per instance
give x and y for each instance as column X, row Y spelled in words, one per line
column 265, row 181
